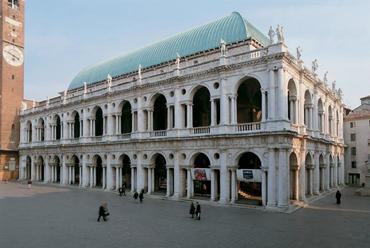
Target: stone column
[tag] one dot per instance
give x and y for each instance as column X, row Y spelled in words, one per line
column 91, row 176
column 233, row 110
column 263, row 188
column 224, row 103
column 132, row 179
column 233, row 186
column 224, row 179
column 271, row 201
column 190, row 115
column 109, row 173
column 189, row 183
column 213, row 184
column 316, row 181
column 263, row 119
column 150, row 189
column 104, row 177
column 283, row 179
column 46, row 171
column 168, row 190
column 117, row 178
column 283, row 104
column 176, row 176
column 213, row 112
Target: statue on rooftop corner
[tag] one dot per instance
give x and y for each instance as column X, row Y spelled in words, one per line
column 315, row 66
column 271, row 34
column 85, row 88
column 333, row 85
column 299, row 53
column 340, row 93
column 223, row 47
column 280, row 34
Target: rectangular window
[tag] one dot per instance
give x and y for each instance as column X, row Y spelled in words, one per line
column 13, row 3
column 354, row 165
column 352, row 124
column 353, row 151
column 353, row 137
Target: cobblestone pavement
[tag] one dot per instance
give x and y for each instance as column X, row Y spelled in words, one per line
column 53, row 216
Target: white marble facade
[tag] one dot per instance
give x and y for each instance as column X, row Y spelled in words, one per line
column 121, row 130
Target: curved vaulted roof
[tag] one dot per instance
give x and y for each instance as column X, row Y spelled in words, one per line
column 232, row 28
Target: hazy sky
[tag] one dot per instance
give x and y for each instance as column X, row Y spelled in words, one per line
column 63, row 37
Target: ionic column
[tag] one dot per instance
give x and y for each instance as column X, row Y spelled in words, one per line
column 263, row 106
column 213, row 112
column 149, row 181
column 132, row 179
column 104, row 177
column 91, row 177
column 233, row 110
column 190, row 115
column 117, row 178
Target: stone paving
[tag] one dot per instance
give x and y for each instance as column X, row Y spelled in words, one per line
column 53, row 216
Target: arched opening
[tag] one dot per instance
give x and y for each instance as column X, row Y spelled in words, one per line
column 322, row 173
column 98, row 122
column 58, row 131
column 56, row 169
column 249, row 178
column 202, row 108
column 28, row 168
column 249, row 101
column 40, row 169
column 320, row 116
column 126, row 118
column 292, row 102
column 331, row 169
column 308, row 174
column 160, row 174
column 98, row 164
column 294, row 186
column 201, row 175
column 160, row 113
column 29, row 131
column 75, row 170
column 126, row 171
column 308, row 106
column 41, row 130
column 76, row 126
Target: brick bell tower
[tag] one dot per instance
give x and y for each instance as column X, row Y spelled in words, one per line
column 11, row 84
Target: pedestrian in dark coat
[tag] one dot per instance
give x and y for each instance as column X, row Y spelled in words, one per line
column 103, row 212
column 141, row 196
column 29, row 183
column 338, row 195
column 136, row 195
column 197, row 211
column 124, row 189
column 192, row 210
column 120, row 191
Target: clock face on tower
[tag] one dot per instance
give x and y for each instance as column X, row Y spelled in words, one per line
column 13, row 55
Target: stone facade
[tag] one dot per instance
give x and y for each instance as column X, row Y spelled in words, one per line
column 357, row 139
column 196, row 127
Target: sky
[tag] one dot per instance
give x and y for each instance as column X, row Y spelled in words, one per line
column 65, row 36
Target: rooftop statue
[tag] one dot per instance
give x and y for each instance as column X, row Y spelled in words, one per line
column 177, row 61
column 139, row 72
column 85, row 88
column 223, row 48
column 299, row 53
column 333, row 85
column 280, row 34
column 326, row 77
column 315, row 66
column 271, row 34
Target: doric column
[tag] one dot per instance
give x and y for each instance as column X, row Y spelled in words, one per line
column 264, row 110
column 189, row 183
column 168, row 117
column 233, row 110
column 283, row 176
column 91, row 183
column 109, row 173
column 264, row 188
column 224, row 103
column 224, row 179
column 311, row 180
column 168, row 190
column 316, row 181
column 233, row 186
column 176, row 176
column 150, row 190
column 117, row 178
column 271, row 201
column 213, row 184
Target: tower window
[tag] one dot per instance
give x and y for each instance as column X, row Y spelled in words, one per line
column 13, row 3
column 13, row 77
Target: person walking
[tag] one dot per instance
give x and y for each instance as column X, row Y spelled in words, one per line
column 141, row 196
column 192, row 210
column 197, row 211
column 124, row 189
column 29, row 184
column 338, row 195
column 120, row 191
column 103, row 212
column 136, row 195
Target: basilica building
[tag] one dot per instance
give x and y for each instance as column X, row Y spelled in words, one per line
column 220, row 112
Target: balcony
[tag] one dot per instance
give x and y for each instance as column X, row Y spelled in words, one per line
column 161, row 133
column 247, row 127
column 200, row 130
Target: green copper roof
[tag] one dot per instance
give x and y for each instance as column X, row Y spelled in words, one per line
column 232, row 28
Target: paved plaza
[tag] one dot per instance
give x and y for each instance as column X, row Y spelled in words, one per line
column 54, row 216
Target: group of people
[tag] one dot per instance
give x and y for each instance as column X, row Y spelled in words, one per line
column 195, row 210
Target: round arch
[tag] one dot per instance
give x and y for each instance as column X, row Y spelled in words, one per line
column 98, row 165
column 159, row 104
column 125, row 162
column 292, row 101
column 97, row 113
column 76, row 124
column 201, row 107
column 249, row 100
column 294, row 176
column 126, row 117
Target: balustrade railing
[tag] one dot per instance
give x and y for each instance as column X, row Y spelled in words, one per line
column 247, row 127
column 200, row 130
column 158, row 133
